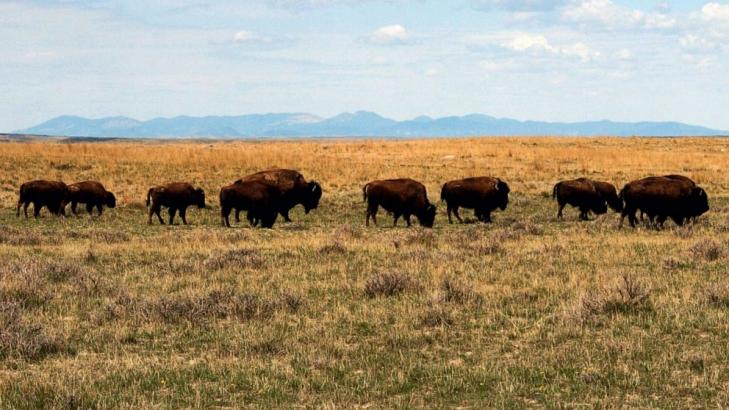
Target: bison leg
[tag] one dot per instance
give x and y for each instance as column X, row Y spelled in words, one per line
column 285, row 214
column 100, row 208
column 157, row 210
column 253, row 218
column 237, row 215
column 73, row 207
column 395, row 217
column 25, row 209
column 36, row 209
column 449, row 210
column 486, row 217
column 458, row 216
column 583, row 214
column 183, row 215
column 90, row 209
column 371, row 212
column 172, row 211
column 407, row 219
column 559, row 211
column 225, row 216
column 17, row 211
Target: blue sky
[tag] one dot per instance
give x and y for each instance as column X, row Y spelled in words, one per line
column 557, row 60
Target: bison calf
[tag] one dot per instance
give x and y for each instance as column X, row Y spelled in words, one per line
column 482, row 194
column 261, row 200
column 177, row 197
column 91, row 193
column 51, row 194
column 586, row 195
column 401, row 197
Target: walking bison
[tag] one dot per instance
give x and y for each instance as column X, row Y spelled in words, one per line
column 261, row 200
column 51, row 194
column 401, row 197
column 177, row 196
column 664, row 197
column 293, row 190
column 482, row 194
column 91, row 193
column 586, row 195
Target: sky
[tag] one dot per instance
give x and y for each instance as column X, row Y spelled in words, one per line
column 548, row 60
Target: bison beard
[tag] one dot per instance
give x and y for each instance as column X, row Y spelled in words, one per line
column 401, row 197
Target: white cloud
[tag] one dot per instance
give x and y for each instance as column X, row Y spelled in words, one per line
column 526, row 41
column 517, row 5
column 394, row 34
column 539, row 44
column 614, row 16
column 715, row 12
column 580, row 50
column 693, row 43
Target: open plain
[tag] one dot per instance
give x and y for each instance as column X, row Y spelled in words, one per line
column 526, row 312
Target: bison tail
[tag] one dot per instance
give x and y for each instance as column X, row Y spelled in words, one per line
column 554, row 190
column 149, row 196
column 364, row 192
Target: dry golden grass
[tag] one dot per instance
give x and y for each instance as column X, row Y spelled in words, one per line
column 526, row 312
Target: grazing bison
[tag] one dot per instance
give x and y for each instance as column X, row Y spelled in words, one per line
column 585, row 195
column 177, row 197
column 293, row 189
column 685, row 180
column 401, row 197
column 482, row 194
column 51, row 194
column 662, row 198
column 91, row 193
column 261, row 200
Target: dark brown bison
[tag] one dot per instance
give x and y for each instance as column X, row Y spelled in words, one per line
column 91, row 193
column 177, row 197
column 586, row 195
column 482, row 194
column 401, row 197
column 685, row 180
column 293, row 189
column 51, row 194
column 261, row 200
column 662, row 198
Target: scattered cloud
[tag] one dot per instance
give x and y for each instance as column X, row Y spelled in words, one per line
column 390, row 35
column 715, row 12
column 517, row 5
column 610, row 15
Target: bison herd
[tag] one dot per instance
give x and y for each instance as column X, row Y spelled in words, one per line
column 266, row 195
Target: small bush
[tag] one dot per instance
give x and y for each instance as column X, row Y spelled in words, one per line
column 387, row 284
column 236, row 258
column 707, row 249
column 717, row 295
column 334, row 248
column 456, row 292
column 629, row 296
column 436, row 316
column 20, row 338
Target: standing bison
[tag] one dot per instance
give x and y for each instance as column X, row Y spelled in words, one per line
column 401, row 197
column 661, row 198
column 482, row 194
column 51, row 194
column 261, row 200
column 586, row 195
column 177, row 197
column 91, row 193
column 293, row 189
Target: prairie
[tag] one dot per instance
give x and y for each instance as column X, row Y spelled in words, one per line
column 527, row 311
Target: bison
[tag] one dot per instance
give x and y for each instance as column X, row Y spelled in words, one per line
column 685, row 180
column 177, row 197
column 482, row 194
column 91, row 193
column 586, row 195
column 293, row 189
column 662, row 198
column 401, row 197
column 261, row 200
column 51, row 194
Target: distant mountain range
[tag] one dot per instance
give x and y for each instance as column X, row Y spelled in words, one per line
column 358, row 124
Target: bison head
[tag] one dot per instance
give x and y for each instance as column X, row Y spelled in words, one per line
column 110, row 200
column 200, row 198
column 615, row 203
column 427, row 217
column 503, row 189
column 699, row 203
column 312, row 197
column 599, row 206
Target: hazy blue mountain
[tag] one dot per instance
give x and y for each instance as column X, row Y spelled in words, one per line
column 358, row 124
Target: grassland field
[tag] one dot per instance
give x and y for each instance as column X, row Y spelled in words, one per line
column 527, row 312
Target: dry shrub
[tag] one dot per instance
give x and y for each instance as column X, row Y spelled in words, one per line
column 17, row 237
column 454, row 291
column 707, row 249
column 716, row 295
column 685, row 231
column 421, row 236
column 24, row 339
column 436, row 315
column 528, row 227
column 218, row 304
column 670, row 264
column 333, row 248
column 490, row 247
column 348, row 231
column 388, row 284
column 629, row 296
column 236, row 258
